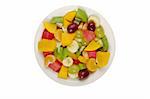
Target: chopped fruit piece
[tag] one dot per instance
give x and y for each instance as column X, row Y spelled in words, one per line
column 49, row 59
column 73, row 47
column 72, row 28
column 105, row 44
column 50, row 27
column 57, row 20
column 73, row 76
column 46, row 45
column 95, row 20
column 66, row 23
column 55, row 66
column 88, row 35
column 46, row 53
column 92, row 54
column 82, row 66
column 47, row 35
column 85, row 54
column 73, row 69
column 58, row 34
column 82, row 15
column 63, row 72
column 82, row 59
column 99, row 41
column 77, row 21
column 72, row 55
column 85, row 26
column 92, row 46
column 83, row 74
column 76, row 61
column 99, row 32
column 67, row 62
column 102, row 58
column 70, row 16
column 91, row 65
column 61, row 53
column 78, row 53
column 67, row 38
column 91, row 26
column 80, row 26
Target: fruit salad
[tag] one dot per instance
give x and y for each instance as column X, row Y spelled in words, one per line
column 74, row 45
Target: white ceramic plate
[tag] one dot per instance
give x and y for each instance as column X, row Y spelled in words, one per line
column 92, row 77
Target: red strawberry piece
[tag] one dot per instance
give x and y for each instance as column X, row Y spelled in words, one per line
column 47, row 53
column 55, row 66
column 92, row 54
column 88, row 35
column 47, row 35
column 75, row 61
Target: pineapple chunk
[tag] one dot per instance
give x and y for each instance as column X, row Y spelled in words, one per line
column 63, row 72
column 45, row 45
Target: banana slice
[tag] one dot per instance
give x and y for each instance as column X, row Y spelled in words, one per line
column 67, row 62
column 73, row 76
column 94, row 19
column 73, row 47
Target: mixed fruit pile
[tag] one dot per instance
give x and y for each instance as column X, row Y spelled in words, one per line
column 74, row 45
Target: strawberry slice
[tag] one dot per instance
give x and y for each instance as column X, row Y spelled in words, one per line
column 92, row 54
column 75, row 61
column 55, row 66
column 47, row 35
column 47, row 53
column 88, row 35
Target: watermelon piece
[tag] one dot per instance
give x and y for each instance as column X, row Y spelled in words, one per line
column 47, row 53
column 88, row 35
column 47, row 35
column 55, row 66
column 92, row 54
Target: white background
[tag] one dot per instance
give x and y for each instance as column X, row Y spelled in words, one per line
column 127, row 78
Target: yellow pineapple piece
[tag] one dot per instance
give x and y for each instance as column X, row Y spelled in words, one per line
column 63, row 72
column 45, row 45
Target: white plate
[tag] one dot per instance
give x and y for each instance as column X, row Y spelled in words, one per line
column 92, row 77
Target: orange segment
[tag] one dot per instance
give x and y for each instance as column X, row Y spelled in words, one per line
column 49, row 59
column 102, row 58
column 91, row 65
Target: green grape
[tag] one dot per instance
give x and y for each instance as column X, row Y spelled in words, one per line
column 81, row 66
column 100, row 32
column 73, row 69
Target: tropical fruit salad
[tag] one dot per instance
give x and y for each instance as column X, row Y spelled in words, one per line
column 74, row 45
